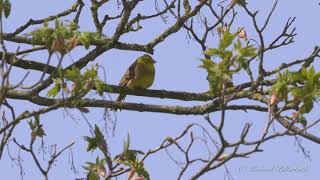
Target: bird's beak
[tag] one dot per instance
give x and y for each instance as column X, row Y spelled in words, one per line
column 154, row 61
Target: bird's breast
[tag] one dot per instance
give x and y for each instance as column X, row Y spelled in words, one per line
column 144, row 76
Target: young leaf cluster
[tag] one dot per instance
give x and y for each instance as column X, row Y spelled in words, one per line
column 36, row 128
column 62, row 38
column 81, row 83
column 302, row 85
column 129, row 158
column 96, row 141
column 306, row 87
column 95, row 170
column 281, row 87
column 225, row 61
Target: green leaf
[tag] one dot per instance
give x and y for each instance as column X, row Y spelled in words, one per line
column 91, row 73
column 93, row 176
column 142, row 172
column 40, row 131
column 36, row 127
column 303, row 121
column 307, row 105
column 304, row 73
column 55, row 90
column 207, row 64
column 96, row 141
column 237, row 46
column 306, row 86
column 213, row 52
column 311, row 73
column 42, row 35
column 218, row 74
column 32, row 126
column 248, row 52
column 56, row 39
column 221, row 73
column 73, row 73
column 96, row 169
column 126, row 144
column 87, row 37
column 98, row 133
column 226, row 40
column 281, row 87
column 297, row 92
column 90, row 164
column 99, row 87
column 92, row 144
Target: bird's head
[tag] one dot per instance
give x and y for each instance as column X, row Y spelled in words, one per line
column 146, row 59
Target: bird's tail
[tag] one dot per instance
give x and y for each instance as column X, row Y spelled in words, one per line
column 121, row 97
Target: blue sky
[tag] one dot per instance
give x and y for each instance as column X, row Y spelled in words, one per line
column 177, row 69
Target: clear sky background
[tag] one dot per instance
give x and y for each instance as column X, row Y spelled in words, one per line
column 177, row 70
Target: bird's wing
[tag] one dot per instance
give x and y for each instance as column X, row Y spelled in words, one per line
column 130, row 74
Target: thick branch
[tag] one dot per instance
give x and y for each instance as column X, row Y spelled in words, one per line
column 100, row 42
column 178, row 110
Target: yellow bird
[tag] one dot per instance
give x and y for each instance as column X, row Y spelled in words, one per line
column 140, row 75
column 239, row 2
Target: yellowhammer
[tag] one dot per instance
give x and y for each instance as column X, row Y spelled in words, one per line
column 140, row 75
column 240, row 2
